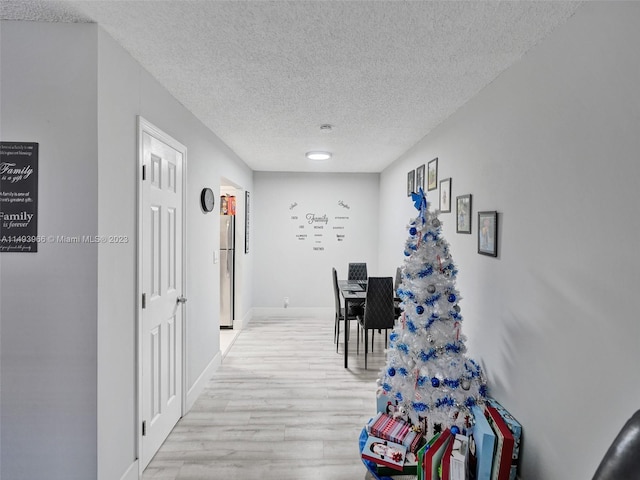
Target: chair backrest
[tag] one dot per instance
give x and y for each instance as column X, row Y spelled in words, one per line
column 396, row 285
column 622, row 460
column 379, row 309
column 336, row 290
column 357, row 271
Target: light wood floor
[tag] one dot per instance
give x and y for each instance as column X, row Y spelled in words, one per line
column 280, row 407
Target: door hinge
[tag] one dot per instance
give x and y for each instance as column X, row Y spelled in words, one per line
column 144, row 172
column 144, row 428
column 144, row 300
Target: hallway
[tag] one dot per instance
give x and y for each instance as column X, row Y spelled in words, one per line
column 281, row 406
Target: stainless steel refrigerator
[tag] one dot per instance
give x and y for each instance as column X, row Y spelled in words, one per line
column 227, row 264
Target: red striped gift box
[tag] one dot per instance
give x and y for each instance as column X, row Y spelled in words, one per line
column 395, row 430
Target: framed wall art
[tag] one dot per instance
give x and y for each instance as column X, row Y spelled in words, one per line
column 411, row 182
column 488, row 233
column 247, row 211
column 432, row 174
column 420, row 178
column 445, row 195
column 463, row 214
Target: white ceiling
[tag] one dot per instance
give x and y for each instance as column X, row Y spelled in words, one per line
column 264, row 75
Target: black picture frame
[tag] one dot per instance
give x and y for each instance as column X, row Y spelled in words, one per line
column 411, row 182
column 445, row 195
column 420, row 178
column 488, row 233
column 432, row 174
column 463, row 213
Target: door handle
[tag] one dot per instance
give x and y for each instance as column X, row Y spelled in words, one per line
column 181, row 300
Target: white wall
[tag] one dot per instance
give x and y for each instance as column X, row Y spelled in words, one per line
column 118, row 79
column 552, row 145
column 68, row 396
column 126, row 91
column 49, row 298
column 288, row 267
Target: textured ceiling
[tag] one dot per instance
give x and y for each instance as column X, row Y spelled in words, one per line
column 264, row 75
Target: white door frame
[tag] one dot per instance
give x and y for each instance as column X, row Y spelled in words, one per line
column 144, row 126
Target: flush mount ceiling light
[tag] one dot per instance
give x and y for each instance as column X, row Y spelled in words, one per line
column 318, row 155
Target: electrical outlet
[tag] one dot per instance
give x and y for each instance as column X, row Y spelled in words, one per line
column 286, row 302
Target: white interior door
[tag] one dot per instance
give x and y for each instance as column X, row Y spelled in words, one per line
column 161, row 285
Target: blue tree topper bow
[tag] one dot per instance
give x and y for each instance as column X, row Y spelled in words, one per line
column 420, row 202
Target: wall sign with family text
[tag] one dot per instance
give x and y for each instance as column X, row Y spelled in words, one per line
column 320, row 229
column 18, row 197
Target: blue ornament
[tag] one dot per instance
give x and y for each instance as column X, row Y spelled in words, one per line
column 419, row 309
column 435, row 383
column 413, row 230
column 391, row 371
column 455, row 430
column 451, row 298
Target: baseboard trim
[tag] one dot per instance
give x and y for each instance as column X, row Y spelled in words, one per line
column 319, row 312
column 201, row 382
column 240, row 323
column 132, row 472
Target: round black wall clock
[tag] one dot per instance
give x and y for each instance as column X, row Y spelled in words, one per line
column 207, row 199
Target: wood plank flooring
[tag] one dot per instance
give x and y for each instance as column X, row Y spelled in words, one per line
column 280, row 407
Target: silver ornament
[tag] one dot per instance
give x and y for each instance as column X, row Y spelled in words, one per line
column 435, row 222
column 431, row 288
column 465, row 384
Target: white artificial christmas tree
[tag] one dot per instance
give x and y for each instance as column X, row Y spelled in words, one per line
column 426, row 371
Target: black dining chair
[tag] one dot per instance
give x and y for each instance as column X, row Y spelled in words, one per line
column 396, row 285
column 340, row 311
column 357, row 271
column 378, row 311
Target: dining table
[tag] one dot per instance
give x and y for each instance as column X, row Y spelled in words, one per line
column 352, row 292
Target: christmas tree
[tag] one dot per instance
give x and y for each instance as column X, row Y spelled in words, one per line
column 426, row 371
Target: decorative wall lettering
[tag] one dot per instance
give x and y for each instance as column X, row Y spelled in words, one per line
column 320, row 230
column 312, row 218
